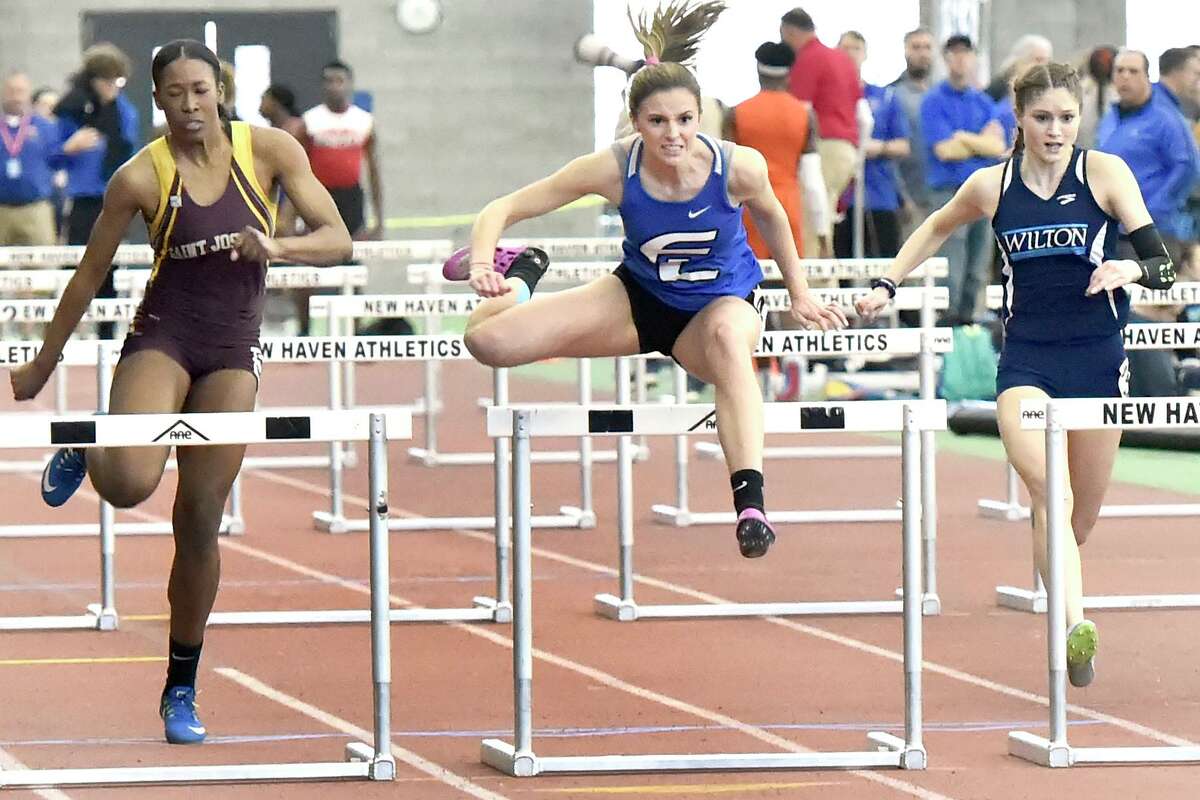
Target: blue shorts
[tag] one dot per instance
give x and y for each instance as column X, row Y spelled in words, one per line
column 1084, row 368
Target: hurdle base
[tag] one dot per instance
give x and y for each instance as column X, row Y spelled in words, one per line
column 894, row 753
column 682, row 518
column 713, row 450
column 96, row 618
column 380, row 768
column 569, row 517
column 231, row 773
column 1039, row 750
column 434, row 458
column 1035, row 603
column 910, row 757
column 1021, row 599
column 612, row 607
column 484, row 609
column 233, row 526
column 931, row 603
column 1000, row 509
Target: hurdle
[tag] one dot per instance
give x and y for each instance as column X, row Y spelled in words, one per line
column 364, row 761
column 522, row 424
column 1057, row 417
column 1141, row 336
column 102, row 353
column 1033, row 601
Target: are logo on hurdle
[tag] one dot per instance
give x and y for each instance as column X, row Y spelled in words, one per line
column 181, row 432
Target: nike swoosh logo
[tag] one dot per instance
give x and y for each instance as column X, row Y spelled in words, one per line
column 194, row 729
column 47, row 486
column 741, row 486
column 694, row 214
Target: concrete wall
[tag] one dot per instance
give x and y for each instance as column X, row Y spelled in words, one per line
column 489, row 101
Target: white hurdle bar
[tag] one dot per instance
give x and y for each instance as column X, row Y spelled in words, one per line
column 364, row 761
column 875, row 341
column 1057, row 417
column 521, row 424
column 1035, row 600
column 780, row 418
column 1139, row 336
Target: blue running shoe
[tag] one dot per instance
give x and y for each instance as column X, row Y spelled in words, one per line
column 178, row 711
column 62, row 476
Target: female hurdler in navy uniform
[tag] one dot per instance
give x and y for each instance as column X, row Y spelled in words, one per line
column 205, row 192
column 687, row 272
column 1055, row 210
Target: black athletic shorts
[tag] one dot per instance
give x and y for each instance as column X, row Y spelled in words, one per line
column 351, row 207
column 199, row 352
column 658, row 324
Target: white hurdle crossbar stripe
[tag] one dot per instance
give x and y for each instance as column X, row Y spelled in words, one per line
column 1057, row 417
column 1182, row 293
column 523, row 424
column 675, row 420
column 143, row 255
column 372, row 761
column 575, row 272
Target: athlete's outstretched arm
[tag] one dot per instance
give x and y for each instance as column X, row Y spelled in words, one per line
column 1117, row 191
column 748, row 184
column 328, row 241
column 120, row 204
column 595, row 173
column 969, row 203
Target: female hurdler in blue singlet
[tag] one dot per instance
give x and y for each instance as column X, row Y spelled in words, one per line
column 1055, row 210
column 687, row 271
column 205, row 192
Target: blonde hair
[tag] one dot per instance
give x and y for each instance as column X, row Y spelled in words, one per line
column 670, row 36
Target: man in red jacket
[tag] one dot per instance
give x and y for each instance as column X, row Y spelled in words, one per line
column 828, row 79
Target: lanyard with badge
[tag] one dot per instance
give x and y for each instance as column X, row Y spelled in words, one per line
column 12, row 167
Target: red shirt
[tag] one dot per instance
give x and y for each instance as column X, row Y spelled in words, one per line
column 827, row 78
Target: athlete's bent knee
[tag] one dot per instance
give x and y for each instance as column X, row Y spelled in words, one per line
column 488, row 348
column 131, row 490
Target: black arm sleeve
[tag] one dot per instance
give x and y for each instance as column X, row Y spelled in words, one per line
column 1158, row 271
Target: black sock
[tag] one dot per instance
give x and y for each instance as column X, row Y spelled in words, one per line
column 747, row 487
column 182, row 661
column 530, row 266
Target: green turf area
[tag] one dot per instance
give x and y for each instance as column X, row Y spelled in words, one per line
column 1162, row 469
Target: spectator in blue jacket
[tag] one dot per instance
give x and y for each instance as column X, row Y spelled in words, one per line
column 1179, row 80
column 32, row 153
column 962, row 134
column 888, row 141
column 1151, row 136
column 100, row 125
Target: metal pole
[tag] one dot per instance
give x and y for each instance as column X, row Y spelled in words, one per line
column 1056, row 606
column 433, row 372
column 1012, row 491
column 381, row 644
column 624, row 490
column 585, row 442
column 928, row 457
column 235, row 500
column 502, row 470
column 522, row 587
column 911, row 486
column 681, row 448
column 60, row 389
column 859, row 201
column 108, row 539
column 336, row 507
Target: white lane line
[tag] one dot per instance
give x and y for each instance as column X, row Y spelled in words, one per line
column 594, row 674
column 337, row 723
column 820, row 633
column 10, row 762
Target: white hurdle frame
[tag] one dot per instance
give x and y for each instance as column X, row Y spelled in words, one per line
column 364, row 761
column 1161, row 336
column 1033, row 600
column 779, row 418
column 522, row 424
column 1058, row 417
